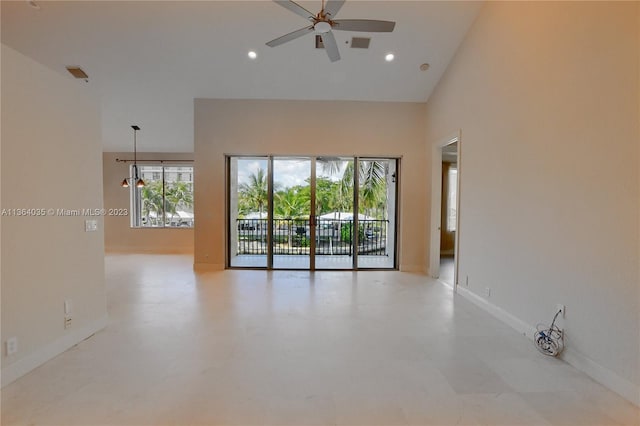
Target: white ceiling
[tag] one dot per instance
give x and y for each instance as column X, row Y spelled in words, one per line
column 148, row 60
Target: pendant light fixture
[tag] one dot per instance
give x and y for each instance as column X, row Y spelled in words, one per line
column 135, row 179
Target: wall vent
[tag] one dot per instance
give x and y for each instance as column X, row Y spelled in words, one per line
column 360, row 42
column 77, row 72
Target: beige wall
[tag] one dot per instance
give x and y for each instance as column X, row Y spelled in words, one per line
column 552, row 87
column 306, row 128
column 51, row 158
column 638, row 258
column 119, row 236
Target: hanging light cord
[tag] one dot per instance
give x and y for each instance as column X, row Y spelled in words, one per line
column 135, row 154
column 135, row 179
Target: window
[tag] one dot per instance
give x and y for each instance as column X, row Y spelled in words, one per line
column 166, row 200
column 452, row 197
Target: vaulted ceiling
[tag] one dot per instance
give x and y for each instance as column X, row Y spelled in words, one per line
column 148, row 60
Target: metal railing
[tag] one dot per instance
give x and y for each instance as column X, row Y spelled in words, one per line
column 292, row 237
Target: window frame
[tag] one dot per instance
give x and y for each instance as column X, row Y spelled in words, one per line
column 135, row 195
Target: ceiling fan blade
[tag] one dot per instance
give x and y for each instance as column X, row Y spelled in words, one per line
column 291, row 36
column 330, row 45
column 366, row 25
column 332, row 7
column 296, row 8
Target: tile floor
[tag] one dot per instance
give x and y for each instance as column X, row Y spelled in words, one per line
column 294, row 348
column 447, row 267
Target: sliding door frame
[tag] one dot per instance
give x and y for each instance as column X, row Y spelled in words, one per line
column 312, row 218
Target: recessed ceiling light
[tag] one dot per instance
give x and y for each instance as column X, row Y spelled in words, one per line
column 389, row 57
column 252, row 54
column 424, row 67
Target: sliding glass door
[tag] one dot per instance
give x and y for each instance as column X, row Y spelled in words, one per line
column 248, row 199
column 334, row 213
column 292, row 233
column 312, row 212
column 376, row 213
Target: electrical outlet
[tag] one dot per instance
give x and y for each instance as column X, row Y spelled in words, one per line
column 67, row 321
column 560, row 307
column 487, row 292
column 12, row 345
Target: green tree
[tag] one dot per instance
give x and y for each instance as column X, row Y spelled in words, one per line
column 291, row 204
column 372, row 179
column 254, row 194
column 373, row 186
column 178, row 195
column 152, row 202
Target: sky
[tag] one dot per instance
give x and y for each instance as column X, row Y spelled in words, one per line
column 286, row 172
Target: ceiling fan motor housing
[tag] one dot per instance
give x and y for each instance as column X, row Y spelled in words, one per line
column 322, row 27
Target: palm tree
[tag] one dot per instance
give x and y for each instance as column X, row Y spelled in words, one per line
column 373, row 184
column 178, row 195
column 255, row 193
column 291, row 203
column 152, row 201
column 372, row 177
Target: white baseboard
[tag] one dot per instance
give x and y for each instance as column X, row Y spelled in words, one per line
column 17, row 369
column 504, row 316
column 600, row 374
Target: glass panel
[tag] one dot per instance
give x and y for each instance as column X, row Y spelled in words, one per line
column 291, row 210
column 334, row 213
column 178, row 196
column 376, row 213
column 248, row 211
column 150, row 197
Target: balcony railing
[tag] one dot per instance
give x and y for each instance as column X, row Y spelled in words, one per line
column 292, row 237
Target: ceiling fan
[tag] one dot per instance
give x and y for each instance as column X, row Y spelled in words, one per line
column 323, row 23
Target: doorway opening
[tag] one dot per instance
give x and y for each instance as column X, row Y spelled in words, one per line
column 311, row 213
column 448, row 212
column 445, row 211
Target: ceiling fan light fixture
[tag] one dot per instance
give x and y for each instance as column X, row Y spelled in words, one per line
column 322, row 27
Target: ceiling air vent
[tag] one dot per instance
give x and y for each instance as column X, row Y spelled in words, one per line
column 77, row 72
column 360, row 42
